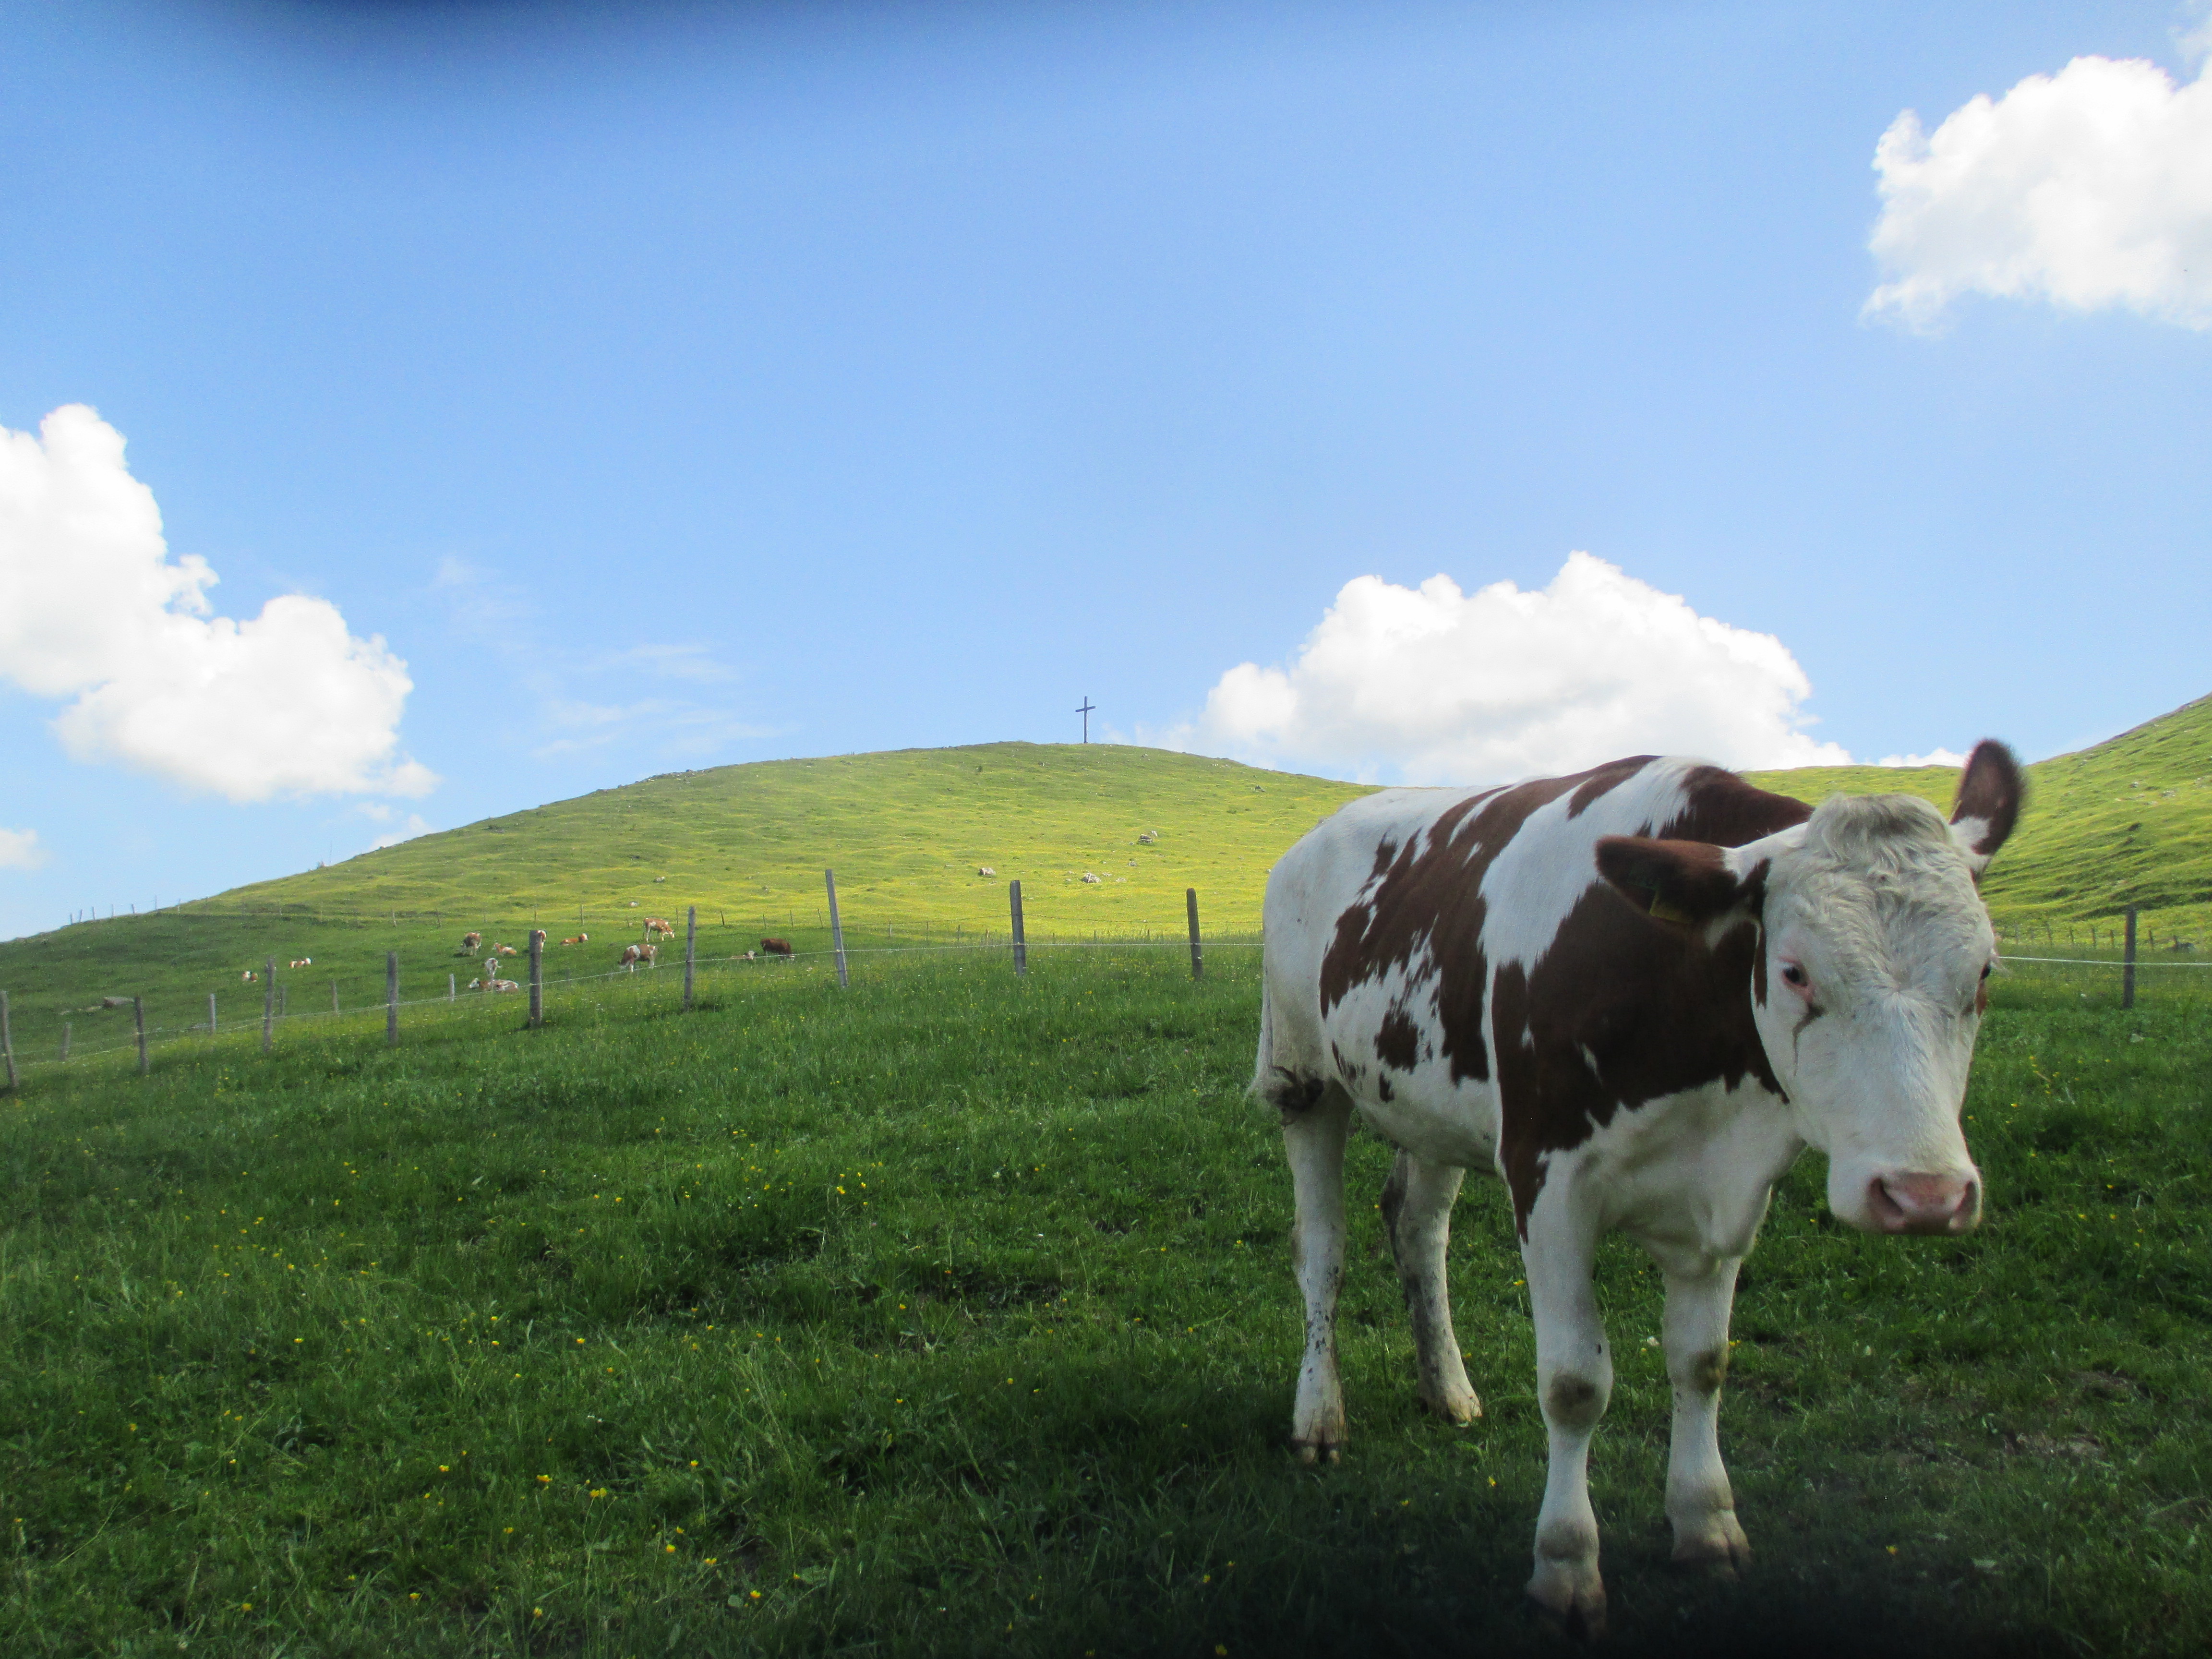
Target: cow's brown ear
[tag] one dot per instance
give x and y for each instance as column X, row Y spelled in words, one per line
column 1689, row 882
column 1990, row 791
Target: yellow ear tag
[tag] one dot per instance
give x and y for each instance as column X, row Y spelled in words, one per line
column 1662, row 911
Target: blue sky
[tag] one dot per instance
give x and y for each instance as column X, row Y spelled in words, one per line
column 669, row 386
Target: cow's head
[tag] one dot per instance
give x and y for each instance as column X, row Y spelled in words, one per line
column 1869, row 983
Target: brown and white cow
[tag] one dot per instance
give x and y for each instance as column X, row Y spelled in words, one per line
column 660, row 926
column 470, row 941
column 1636, row 994
column 777, row 947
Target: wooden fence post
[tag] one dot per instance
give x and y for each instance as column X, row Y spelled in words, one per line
column 690, row 951
column 537, row 977
column 268, row 1003
column 1021, row 939
column 836, row 928
column 334, row 996
column 138, row 1019
column 452, row 987
column 8, row 1042
column 2128, row 964
column 210, row 1013
column 66, row 1029
column 1197, row 957
column 392, row 997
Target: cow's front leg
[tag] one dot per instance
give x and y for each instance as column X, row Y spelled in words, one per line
column 1574, row 1382
column 1696, row 1337
column 1314, row 1138
column 1417, row 1203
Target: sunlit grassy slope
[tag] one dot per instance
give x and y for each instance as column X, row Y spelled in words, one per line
column 907, row 832
column 2128, row 821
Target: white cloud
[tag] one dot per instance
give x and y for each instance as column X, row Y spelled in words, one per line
column 20, row 850
column 93, row 608
column 2090, row 189
column 1434, row 685
column 415, row 826
column 1933, row 757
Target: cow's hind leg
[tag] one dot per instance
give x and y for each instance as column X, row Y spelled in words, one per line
column 1574, row 1382
column 1417, row 1205
column 1698, row 1501
column 1314, row 1127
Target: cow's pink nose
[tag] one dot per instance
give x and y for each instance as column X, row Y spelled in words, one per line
column 1923, row 1204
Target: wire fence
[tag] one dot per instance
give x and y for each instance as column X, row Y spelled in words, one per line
column 649, row 985
column 2104, row 976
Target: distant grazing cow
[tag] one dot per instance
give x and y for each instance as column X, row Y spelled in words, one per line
column 115, row 1002
column 469, row 942
column 304, row 962
column 655, row 925
column 580, row 939
column 1093, row 876
column 777, row 947
column 1637, row 995
column 503, row 950
column 249, row 975
column 634, row 954
column 985, row 870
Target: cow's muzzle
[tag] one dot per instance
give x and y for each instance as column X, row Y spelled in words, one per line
column 1924, row 1203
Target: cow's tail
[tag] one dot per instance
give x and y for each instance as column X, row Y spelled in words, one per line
column 1287, row 1088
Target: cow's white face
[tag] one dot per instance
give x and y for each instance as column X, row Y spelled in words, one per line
column 1867, row 987
column 1867, row 999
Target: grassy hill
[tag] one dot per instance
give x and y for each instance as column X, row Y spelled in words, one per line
column 907, row 832
column 2127, row 821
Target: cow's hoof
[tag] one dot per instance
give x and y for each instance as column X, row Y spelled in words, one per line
column 1718, row 1549
column 1318, row 1451
column 1458, row 1408
column 1576, row 1612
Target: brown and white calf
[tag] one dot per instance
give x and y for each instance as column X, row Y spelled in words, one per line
column 1636, row 994
column 659, row 926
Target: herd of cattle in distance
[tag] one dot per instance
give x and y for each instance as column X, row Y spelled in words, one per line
column 647, row 952
column 1635, row 995
column 490, row 980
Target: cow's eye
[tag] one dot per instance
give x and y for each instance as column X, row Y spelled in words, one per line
column 1986, row 970
column 1792, row 974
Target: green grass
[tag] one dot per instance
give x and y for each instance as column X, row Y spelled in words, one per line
column 953, row 1315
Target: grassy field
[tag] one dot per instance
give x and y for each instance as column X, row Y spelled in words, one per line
column 906, row 832
column 2128, row 821
column 952, row 1315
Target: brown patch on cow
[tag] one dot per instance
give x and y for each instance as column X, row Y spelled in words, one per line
column 1656, row 1010
column 1982, row 996
column 1720, row 807
column 1426, row 893
column 1398, row 1040
column 1605, row 780
column 1572, row 1401
column 1709, row 1370
column 1991, row 787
